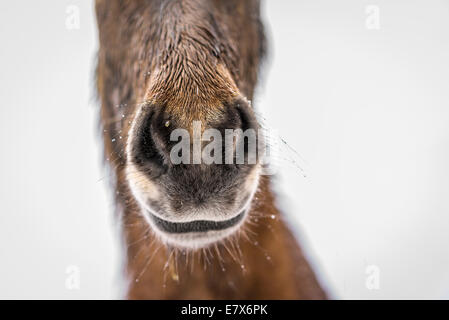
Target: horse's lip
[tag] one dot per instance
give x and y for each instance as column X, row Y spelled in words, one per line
column 196, row 225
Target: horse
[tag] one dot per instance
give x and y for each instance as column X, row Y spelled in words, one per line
column 191, row 230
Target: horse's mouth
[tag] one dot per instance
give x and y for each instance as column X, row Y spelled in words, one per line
column 197, row 225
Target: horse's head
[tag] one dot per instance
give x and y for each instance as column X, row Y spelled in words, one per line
column 190, row 139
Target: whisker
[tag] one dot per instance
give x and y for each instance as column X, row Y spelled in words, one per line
column 147, row 264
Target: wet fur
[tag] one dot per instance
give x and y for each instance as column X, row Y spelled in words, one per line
column 192, row 57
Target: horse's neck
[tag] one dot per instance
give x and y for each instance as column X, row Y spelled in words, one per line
column 263, row 261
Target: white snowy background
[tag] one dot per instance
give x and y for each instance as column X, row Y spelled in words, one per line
column 364, row 101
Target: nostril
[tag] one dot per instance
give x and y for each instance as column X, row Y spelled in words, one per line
column 247, row 118
column 152, row 146
column 147, row 152
column 246, row 144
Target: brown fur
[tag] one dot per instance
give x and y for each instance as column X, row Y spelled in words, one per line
column 192, row 56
